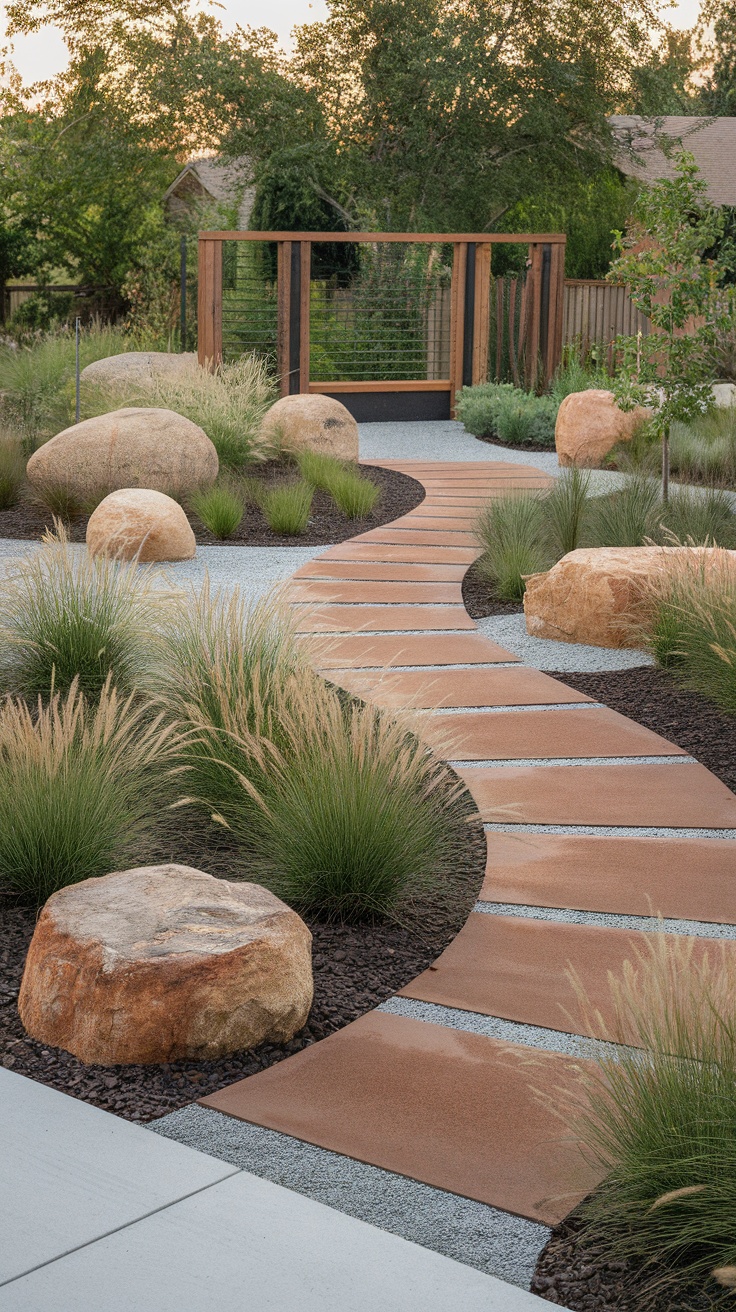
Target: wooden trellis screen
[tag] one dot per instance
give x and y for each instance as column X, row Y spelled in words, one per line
column 392, row 324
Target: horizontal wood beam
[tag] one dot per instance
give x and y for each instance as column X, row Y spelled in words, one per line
column 491, row 238
column 408, row 385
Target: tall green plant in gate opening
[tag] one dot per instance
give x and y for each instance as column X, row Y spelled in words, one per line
column 662, row 261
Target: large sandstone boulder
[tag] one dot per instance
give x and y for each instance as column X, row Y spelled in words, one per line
column 138, row 523
column 314, row 423
column 137, row 368
column 589, row 424
column 162, row 963
column 135, row 447
column 603, row 596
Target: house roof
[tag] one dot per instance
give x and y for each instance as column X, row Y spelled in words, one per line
column 712, row 141
column 223, row 182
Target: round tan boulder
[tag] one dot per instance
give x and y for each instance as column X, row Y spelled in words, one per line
column 163, row 963
column 314, row 423
column 134, row 447
column 136, row 368
column 589, row 425
column 603, row 596
column 136, row 522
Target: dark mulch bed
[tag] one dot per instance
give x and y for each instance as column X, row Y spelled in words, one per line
column 574, row 1273
column 494, row 440
column 399, row 495
column 654, row 699
column 480, row 599
column 355, row 969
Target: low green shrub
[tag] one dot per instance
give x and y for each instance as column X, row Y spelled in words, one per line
column 507, row 413
column 12, row 471
column 353, row 816
column 220, row 508
column 287, row 507
column 82, row 788
column 512, row 531
column 573, row 375
column 65, row 616
column 659, row 1118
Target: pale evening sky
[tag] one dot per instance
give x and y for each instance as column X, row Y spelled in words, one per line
column 44, row 54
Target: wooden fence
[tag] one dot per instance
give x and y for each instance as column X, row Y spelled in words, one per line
column 596, row 312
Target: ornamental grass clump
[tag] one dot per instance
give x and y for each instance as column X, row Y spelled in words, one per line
column 66, row 617
column 12, row 471
column 82, row 788
column 353, row 817
column 353, row 493
column 658, row 1116
column 511, row 530
column 223, row 673
column 220, row 508
column 287, row 507
column 693, row 626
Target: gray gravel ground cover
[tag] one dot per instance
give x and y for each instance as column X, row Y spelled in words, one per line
column 509, row 631
column 480, row 1236
column 610, row 920
column 495, row 1027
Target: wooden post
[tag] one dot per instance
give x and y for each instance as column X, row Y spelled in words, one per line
column 305, row 297
column 457, row 308
column 534, row 310
column 209, row 302
column 283, row 307
column 556, row 310
column 482, row 312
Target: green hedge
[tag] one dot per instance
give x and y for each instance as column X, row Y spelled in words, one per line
column 505, row 412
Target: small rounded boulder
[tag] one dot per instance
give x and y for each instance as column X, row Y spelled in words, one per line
column 163, row 963
column 312, row 422
column 138, row 523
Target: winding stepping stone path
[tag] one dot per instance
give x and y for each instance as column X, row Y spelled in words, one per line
column 593, row 822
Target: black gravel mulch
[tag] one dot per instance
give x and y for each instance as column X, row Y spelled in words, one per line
column 399, row 495
column 355, row 969
column 574, row 1273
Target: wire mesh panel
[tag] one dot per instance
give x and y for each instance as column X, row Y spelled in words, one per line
column 380, row 312
column 249, row 300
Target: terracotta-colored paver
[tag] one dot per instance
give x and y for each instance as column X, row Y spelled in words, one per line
column 406, row 649
column 681, row 796
column 418, row 537
column 452, row 1109
column 528, row 735
column 346, row 619
column 323, row 568
column 382, row 551
column 420, row 689
column 362, row 590
column 687, row 878
column 517, row 968
column 435, row 522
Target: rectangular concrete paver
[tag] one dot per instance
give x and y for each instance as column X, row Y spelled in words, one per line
column 402, row 555
column 422, row 689
column 419, row 537
column 450, row 1108
column 689, row 878
column 361, row 591
column 325, row 568
column 349, row 619
column 517, row 967
column 70, row 1173
column 676, row 796
column 530, row 735
column 406, row 649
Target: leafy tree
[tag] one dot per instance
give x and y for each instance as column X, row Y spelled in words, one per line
column 663, row 263
column 719, row 92
column 589, row 210
column 662, row 84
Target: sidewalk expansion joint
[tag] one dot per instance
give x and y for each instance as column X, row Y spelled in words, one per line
column 611, row 920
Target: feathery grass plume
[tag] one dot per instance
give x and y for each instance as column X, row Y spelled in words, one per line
column 229, row 403
column 658, row 1115
column 225, row 667
column 352, row 816
column 12, row 470
column 705, row 450
column 693, row 627
column 511, row 530
column 287, row 507
column 66, row 616
column 220, row 508
column 82, row 788
column 626, row 517
column 566, row 507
